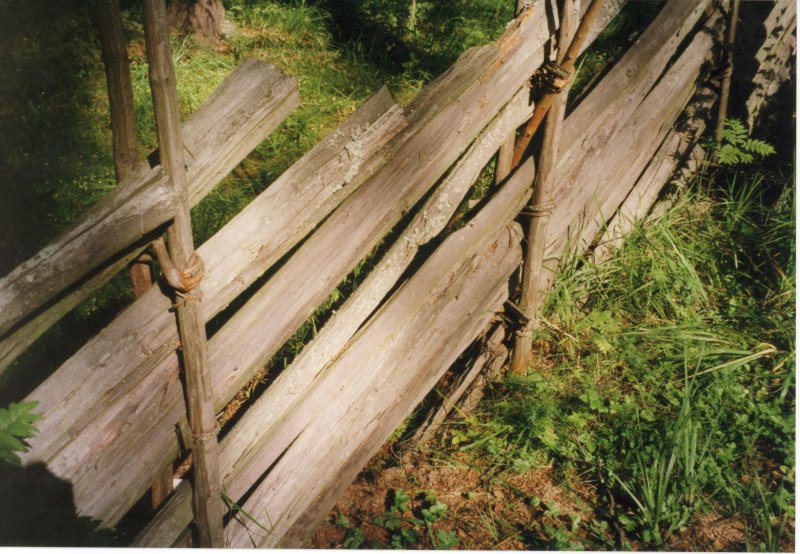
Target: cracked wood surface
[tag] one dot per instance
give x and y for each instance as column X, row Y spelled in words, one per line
column 239, row 114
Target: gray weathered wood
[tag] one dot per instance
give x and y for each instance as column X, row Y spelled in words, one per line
column 609, row 106
column 240, row 445
column 679, row 151
column 246, row 107
column 136, row 363
column 238, row 348
column 776, row 57
column 245, row 342
column 539, row 207
column 667, row 85
column 471, row 93
column 108, row 21
column 568, row 54
column 604, row 185
column 206, row 488
column 449, row 303
column 489, row 343
column 599, row 20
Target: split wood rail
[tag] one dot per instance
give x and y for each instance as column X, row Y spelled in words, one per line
column 114, row 412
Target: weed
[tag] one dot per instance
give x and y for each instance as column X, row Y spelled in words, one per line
column 736, row 147
column 16, row 424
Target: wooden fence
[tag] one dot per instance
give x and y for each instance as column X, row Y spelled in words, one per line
column 114, row 413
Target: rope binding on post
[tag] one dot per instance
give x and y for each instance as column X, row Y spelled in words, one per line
column 183, row 281
column 552, row 78
column 538, row 210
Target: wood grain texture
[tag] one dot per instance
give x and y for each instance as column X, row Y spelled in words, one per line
column 539, row 206
column 776, row 57
column 243, row 459
column 81, row 435
column 206, row 488
column 435, row 315
column 678, row 153
column 676, row 82
column 606, row 184
column 238, row 116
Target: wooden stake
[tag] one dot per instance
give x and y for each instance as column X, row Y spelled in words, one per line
column 566, row 62
column 207, row 500
column 539, row 207
column 108, row 21
column 725, row 87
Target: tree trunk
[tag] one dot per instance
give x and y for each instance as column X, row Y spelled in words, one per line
column 205, row 19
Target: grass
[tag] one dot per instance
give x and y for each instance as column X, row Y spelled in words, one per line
column 666, row 377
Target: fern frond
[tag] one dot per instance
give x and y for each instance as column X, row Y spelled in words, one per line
column 16, row 423
column 758, row 147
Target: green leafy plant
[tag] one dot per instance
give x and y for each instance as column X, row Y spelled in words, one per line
column 16, row 425
column 736, row 147
column 404, row 530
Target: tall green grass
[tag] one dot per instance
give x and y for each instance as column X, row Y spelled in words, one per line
column 666, row 373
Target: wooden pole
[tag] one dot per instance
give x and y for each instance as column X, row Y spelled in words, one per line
column 725, row 87
column 207, row 500
column 503, row 167
column 539, row 207
column 108, row 21
column 566, row 62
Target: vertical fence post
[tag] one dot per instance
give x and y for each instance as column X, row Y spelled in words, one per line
column 108, row 22
column 725, row 86
column 540, row 206
column 566, row 62
column 207, row 501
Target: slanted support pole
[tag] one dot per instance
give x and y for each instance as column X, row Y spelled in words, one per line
column 539, row 207
column 503, row 167
column 108, row 22
column 725, row 86
column 566, row 63
column 207, row 500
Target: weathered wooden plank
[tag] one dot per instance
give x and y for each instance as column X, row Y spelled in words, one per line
column 607, row 109
column 607, row 11
column 569, row 47
column 80, row 425
column 434, row 316
column 246, row 107
column 242, row 459
column 107, row 19
column 471, row 93
column 151, row 343
column 627, row 154
column 678, row 150
column 245, row 342
column 490, row 343
column 774, row 57
column 667, row 85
